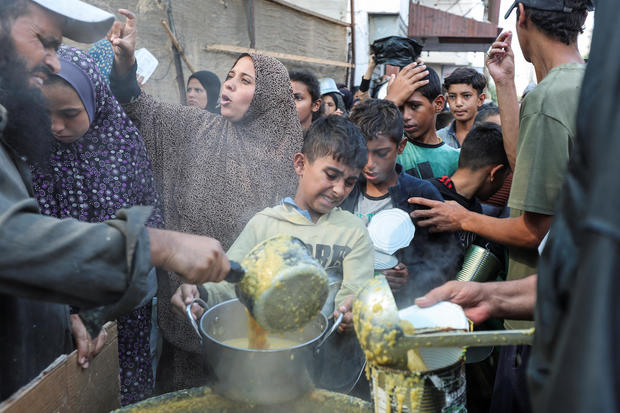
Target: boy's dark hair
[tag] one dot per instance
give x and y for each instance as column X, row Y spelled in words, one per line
column 309, row 80
column 485, row 112
column 560, row 25
column 312, row 84
column 378, row 117
column 483, row 146
column 468, row 76
column 433, row 88
column 336, row 136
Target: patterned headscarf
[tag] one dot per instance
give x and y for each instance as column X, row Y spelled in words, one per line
column 103, row 54
column 213, row 174
column 106, row 169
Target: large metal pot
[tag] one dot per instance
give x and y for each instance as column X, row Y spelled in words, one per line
column 258, row 376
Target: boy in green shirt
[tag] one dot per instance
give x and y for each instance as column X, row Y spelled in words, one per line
column 425, row 155
column 333, row 155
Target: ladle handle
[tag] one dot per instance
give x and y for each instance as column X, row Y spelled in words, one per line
column 330, row 332
column 236, row 272
column 188, row 311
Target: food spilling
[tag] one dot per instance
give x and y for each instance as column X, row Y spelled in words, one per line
column 284, row 287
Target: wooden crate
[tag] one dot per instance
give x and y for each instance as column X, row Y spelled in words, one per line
column 64, row 387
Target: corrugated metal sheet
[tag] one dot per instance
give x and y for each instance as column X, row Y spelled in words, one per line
column 429, row 22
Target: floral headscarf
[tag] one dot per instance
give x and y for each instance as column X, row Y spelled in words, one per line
column 106, row 169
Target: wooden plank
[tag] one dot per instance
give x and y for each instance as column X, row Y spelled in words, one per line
column 96, row 389
column 310, row 12
column 65, row 387
column 284, row 56
column 251, row 24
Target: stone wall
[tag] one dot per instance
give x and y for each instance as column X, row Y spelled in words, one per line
column 207, row 22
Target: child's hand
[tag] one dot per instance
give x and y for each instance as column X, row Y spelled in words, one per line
column 408, row 80
column 87, row 348
column 182, row 297
column 347, row 320
column 397, row 277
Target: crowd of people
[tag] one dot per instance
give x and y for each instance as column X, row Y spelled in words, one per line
column 115, row 205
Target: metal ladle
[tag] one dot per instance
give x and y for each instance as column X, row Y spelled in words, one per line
column 280, row 283
column 385, row 342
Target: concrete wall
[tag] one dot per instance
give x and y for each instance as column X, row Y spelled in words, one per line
column 364, row 11
column 207, row 22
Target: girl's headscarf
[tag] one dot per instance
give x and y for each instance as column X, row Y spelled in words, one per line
column 211, row 84
column 105, row 170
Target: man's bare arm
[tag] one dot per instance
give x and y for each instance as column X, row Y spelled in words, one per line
column 196, row 259
column 525, row 231
column 500, row 63
column 480, row 301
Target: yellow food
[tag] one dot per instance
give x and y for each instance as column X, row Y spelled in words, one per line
column 414, row 361
column 257, row 336
column 273, row 343
column 401, row 388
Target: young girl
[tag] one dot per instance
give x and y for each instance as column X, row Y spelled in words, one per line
column 99, row 165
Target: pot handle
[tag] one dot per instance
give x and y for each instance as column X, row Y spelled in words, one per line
column 329, row 333
column 188, row 311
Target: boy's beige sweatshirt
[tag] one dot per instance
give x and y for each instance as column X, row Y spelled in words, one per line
column 339, row 241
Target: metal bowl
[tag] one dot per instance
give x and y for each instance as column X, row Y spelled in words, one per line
column 259, row 376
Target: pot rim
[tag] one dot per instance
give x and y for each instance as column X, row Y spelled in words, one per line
column 299, row 346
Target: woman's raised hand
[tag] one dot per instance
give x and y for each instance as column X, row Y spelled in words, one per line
column 123, row 38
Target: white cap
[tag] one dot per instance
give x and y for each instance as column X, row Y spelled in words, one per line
column 83, row 23
column 328, row 85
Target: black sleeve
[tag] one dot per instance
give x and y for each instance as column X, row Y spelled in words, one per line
column 125, row 88
column 365, row 85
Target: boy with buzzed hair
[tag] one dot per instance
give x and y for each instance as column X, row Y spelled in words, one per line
column 328, row 166
column 425, row 155
column 464, row 90
column 430, row 259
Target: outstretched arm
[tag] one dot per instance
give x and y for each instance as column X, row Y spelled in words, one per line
column 525, row 231
column 481, row 301
column 500, row 63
